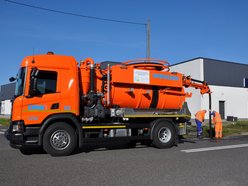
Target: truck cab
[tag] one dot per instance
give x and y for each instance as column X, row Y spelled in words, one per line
column 46, row 86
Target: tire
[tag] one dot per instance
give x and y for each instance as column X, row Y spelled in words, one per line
column 60, row 139
column 163, row 134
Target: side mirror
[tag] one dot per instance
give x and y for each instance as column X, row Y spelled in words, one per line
column 33, row 82
column 12, row 79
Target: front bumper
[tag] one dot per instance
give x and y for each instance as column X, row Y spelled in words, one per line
column 23, row 139
column 16, row 139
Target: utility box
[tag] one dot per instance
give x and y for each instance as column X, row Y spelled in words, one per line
column 232, row 118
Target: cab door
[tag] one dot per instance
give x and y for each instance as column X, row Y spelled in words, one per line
column 43, row 95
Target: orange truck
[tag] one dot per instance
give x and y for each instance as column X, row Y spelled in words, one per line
column 61, row 105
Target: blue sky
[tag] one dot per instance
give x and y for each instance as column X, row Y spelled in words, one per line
column 180, row 30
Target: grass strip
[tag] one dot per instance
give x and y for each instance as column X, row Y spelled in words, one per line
column 4, row 121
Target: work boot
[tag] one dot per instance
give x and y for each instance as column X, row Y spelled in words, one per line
column 199, row 136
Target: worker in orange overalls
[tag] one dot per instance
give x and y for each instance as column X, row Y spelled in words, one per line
column 217, row 124
column 199, row 119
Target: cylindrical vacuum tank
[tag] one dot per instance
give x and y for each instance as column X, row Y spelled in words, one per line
column 146, row 88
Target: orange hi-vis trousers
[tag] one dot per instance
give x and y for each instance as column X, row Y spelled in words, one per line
column 218, row 130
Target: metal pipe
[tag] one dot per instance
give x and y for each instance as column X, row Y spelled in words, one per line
column 198, row 81
column 92, row 78
column 148, row 48
column 108, row 86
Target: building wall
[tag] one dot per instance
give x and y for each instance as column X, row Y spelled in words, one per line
column 6, row 94
column 6, row 107
column 224, row 73
column 195, row 103
column 235, row 97
column 195, row 69
column 235, row 100
column 7, row 91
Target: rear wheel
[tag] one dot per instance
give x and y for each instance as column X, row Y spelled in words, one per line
column 60, row 139
column 163, row 134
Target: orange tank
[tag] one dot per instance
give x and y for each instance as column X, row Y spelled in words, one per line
column 141, row 84
column 146, row 85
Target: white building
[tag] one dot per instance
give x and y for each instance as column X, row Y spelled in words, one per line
column 228, row 82
column 6, row 94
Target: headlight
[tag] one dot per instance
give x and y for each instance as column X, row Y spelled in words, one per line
column 18, row 126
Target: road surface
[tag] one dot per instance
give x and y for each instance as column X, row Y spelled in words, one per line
column 220, row 163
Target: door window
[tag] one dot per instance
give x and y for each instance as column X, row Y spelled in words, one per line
column 46, row 82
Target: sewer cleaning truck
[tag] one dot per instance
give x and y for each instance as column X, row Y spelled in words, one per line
column 60, row 105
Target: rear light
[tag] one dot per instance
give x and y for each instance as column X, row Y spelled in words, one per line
column 18, row 126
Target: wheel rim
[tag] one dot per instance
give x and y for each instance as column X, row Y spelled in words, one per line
column 164, row 135
column 60, row 140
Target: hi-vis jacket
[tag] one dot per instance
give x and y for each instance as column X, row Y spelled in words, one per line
column 200, row 115
column 217, row 118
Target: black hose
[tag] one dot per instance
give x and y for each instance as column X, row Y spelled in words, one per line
column 210, row 119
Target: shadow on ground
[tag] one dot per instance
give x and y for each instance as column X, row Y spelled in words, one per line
column 105, row 146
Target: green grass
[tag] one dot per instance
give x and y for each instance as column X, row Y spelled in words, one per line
column 229, row 128
column 4, row 121
column 235, row 128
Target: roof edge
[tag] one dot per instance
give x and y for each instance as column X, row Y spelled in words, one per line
column 205, row 58
column 189, row 60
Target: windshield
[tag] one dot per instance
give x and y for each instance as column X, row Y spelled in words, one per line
column 20, row 82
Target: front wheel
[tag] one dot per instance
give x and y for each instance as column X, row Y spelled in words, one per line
column 163, row 134
column 60, row 139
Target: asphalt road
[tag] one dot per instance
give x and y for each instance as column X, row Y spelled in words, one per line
column 135, row 166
